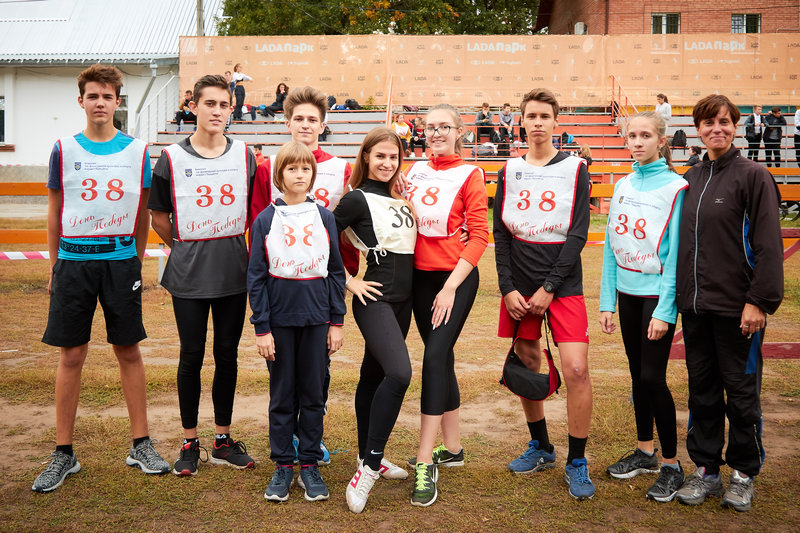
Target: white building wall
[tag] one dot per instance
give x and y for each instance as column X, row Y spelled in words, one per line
column 41, row 105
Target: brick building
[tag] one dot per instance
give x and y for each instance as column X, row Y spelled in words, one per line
column 615, row 17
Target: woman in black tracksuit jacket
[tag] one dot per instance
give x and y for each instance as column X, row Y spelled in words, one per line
column 730, row 276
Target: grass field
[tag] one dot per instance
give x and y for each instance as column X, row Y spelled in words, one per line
column 481, row 496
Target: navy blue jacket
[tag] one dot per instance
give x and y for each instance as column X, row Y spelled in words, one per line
column 278, row 302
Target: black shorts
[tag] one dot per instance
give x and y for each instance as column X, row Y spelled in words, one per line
column 76, row 287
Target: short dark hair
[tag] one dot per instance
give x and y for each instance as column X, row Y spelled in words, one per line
column 709, row 107
column 209, row 80
column 485, row 104
column 696, row 150
column 540, row 95
column 776, row 109
column 102, row 74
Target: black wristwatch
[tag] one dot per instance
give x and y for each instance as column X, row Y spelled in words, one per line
column 548, row 287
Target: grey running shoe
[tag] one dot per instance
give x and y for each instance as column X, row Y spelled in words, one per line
column 698, row 487
column 311, row 480
column 278, row 488
column 60, row 466
column 425, row 491
column 443, row 457
column 740, row 492
column 533, row 459
column 634, row 463
column 147, row 459
column 667, row 484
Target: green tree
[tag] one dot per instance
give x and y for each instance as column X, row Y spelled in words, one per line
column 352, row 17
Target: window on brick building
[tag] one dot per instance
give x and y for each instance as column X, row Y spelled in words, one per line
column 746, row 23
column 666, row 23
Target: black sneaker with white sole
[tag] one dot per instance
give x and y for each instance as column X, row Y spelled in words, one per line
column 634, row 463
column 667, row 485
column 186, row 465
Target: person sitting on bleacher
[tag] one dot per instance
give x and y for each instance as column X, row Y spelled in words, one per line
column 418, row 135
column 403, row 130
column 184, row 114
column 277, row 106
column 484, row 122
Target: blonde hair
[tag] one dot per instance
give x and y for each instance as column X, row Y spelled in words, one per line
column 585, row 151
column 293, row 152
column 661, row 130
column 457, row 121
column 361, row 167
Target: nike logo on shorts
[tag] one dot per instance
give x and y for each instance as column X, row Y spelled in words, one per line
column 136, row 284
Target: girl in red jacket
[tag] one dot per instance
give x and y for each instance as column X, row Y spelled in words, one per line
column 447, row 194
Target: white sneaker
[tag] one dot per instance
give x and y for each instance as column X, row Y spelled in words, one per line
column 389, row 470
column 359, row 488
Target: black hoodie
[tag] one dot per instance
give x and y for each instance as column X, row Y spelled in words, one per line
column 730, row 250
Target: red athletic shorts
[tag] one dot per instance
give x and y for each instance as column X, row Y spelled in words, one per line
column 567, row 317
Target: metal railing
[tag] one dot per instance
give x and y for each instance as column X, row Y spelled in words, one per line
column 621, row 105
column 157, row 110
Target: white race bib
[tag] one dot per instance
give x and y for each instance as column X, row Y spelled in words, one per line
column 637, row 221
column 209, row 195
column 393, row 224
column 101, row 193
column 298, row 245
column 432, row 193
column 538, row 201
column 328, row 185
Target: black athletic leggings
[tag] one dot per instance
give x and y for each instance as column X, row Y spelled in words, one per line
column 648, row 364
column 191, row 316
column 385, row 371
column 439, row 384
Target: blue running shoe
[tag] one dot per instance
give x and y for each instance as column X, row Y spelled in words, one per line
column 296, row 444
column 326, row 455
column 311, row 480
column 533, row 460
column 577, row 477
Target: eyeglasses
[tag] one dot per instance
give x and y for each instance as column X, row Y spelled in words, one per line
column 442, row 130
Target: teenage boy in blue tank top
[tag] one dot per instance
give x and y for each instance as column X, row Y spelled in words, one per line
column 97, row 227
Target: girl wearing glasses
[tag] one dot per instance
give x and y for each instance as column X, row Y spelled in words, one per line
column 447, row 194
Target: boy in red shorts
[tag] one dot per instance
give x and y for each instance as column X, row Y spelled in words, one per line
column 541, row 221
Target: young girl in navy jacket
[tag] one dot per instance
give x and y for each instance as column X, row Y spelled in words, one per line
column 296, row 285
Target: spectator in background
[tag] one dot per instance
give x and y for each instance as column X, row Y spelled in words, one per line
column 403, row 130
column 277, row 106
column 695, row 157
column 257, row 148
column 773, row 135
column 238, row 90
column 184, row 114
column 663, row 107
column 506, row 129
column 584, row 152
column 484, row 122
column 797, row 135
column 753, row 128
column 418, row 135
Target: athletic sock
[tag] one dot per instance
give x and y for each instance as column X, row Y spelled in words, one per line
column 538, row 431
column 186, row 442
column 140, row 440
column 648, row 454
column 373, row 459
column 65, row 448
column 577, row 448
column 221, row 439
column 676, row 466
